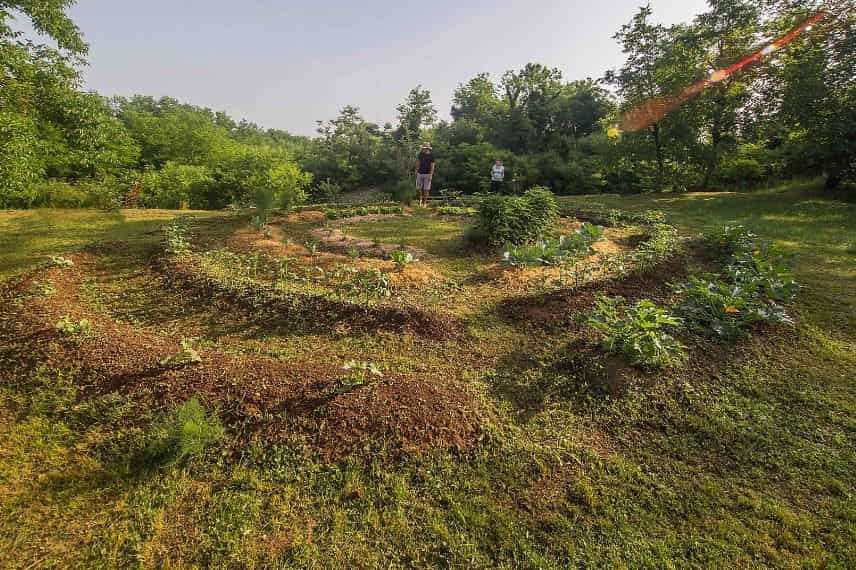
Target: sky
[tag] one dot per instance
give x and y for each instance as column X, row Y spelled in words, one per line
column 286, row 63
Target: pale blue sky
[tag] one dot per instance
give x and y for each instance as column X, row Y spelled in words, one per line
column 286, row 63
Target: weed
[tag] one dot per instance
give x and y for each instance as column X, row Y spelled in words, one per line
column 44, row 288
column 311, row 244
column 184, row 433
column 175, row 238
column 366, row 283
column 638, row 332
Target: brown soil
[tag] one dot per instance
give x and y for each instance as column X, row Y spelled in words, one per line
column 336, row 240
column 255, row 396
column 555, row 309
column 311, row 310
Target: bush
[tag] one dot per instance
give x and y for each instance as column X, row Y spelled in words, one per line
column 81, row 194
column 638, row 332
column 516, row 221
column 456, row 211
column 176, row 186
column 184, row 433
column 403, row 191
column 325, row 192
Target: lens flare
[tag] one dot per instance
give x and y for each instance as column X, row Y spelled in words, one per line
column 649, row 112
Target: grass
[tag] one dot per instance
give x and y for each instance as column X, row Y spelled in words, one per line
column 751, row 468
column 30, row 236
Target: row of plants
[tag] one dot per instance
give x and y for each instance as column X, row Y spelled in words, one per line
column 553, row 252
column 757, row 280
column 340, row 213
column 614, row 217
column 457, row 211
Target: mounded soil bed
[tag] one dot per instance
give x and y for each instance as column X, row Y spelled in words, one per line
column 256, row 397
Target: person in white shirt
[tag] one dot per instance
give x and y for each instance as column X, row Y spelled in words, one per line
column 497, row 175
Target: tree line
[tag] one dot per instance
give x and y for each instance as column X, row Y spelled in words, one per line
column 793, row 115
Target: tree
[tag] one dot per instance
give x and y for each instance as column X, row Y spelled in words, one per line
column 416, row 112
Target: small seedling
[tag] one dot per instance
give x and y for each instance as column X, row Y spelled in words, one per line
column 44, row 288
column 187, row 356
column 401, row 258
column 60, row 261
column 74, row 330
column 311, row 244
column 360, row 374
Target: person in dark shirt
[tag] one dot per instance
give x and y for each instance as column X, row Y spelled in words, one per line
column 424, row 173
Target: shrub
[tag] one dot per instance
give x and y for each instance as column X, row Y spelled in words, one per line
column 366, row 283
column 325, row 192
column 517, row 220
column 661, row 243
column 638, row 332
column 184, row 433
column 729, row 240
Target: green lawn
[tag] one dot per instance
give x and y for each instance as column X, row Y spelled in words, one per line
column 28, row 237
column 752, row 468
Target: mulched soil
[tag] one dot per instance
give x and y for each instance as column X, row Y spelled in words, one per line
column 558, row 308
column 256, row 397
column 336, row 240
column 310, row 310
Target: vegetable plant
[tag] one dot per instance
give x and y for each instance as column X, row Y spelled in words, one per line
column 72, row 329
column 186, row 356
column 360, row 373
column 727, row 310
column 401, row 258
column 638, row 332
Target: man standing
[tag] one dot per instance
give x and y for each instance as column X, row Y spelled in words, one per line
column 424, row 172
column 497, row 175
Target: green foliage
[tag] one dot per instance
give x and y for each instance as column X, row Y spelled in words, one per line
column 175, row 235
column 325, row 192
column 175, row 186
column 184, row 433
column 516, row 220
column 554, row 252
column 365, row 283
column 457, row 211
column 74, row 330
column 341, row 213
column 311, row 244
column 638, row 332
column 186, row 356
column 728, row 240
column 662, row 242
column 360, row 373
column 727, row 310
column 59, row 261
column 401, row 258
